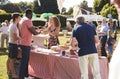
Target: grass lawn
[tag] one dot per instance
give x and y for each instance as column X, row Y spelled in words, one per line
column 3, row 57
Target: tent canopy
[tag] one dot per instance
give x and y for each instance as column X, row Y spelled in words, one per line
column 90, row 17
column 93, row 17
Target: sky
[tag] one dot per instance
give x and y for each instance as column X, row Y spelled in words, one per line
column 70, row 3
column 66, row 4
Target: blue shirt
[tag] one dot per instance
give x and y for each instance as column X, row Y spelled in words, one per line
column 92, row 25
column 84, row 34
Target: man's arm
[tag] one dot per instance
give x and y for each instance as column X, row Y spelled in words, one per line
column 33, row 31
column 72, row 42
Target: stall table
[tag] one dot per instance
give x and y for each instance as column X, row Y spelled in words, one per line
column 49, row 66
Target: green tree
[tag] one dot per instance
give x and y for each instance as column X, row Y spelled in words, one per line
column 98, row 5
column 24, row 5
column 16, row 7
column 10, row 7
column 30, row 5
column 47, row 6
column 109, row 9
column 36, row 8
column 84, row 7
column 70, row 11
column 84, row 4
column 63, row 10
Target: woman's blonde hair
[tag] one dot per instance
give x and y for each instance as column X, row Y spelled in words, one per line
column 56, row 21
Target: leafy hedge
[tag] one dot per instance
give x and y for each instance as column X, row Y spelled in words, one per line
column 38, row 23
column 62, row 19
column 4, row 17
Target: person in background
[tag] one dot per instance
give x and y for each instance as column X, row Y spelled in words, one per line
column 110, row 43
column 112, row 27
column 103, row 37
column 4, row 35
column 53, row 30
column 98, row 29
column 68, row 25
column 13, row 44
column 87, row 52
column 110, row 38
column 26, row 30
column 7, row 22
column 114, row 70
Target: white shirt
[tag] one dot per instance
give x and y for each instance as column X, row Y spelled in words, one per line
column 4, row 29
column 12, row 30
column 104, row 28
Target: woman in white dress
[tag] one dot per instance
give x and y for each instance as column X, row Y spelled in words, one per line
column 114, row 72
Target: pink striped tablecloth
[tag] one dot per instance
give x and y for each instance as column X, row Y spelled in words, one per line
column 47, row 66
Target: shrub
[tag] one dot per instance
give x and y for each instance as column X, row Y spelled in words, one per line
column 4, row 17
column 62, row 21
column 38, row 23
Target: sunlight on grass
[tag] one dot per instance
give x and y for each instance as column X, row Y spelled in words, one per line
column 63, row 38
column 3, row 73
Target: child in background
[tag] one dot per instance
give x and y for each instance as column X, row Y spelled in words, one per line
column 73, row 46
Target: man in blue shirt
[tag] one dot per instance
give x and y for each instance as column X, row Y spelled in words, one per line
column 86, row 38
column 92, row 24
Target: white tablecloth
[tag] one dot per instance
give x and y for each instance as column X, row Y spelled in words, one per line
column 38, row 40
